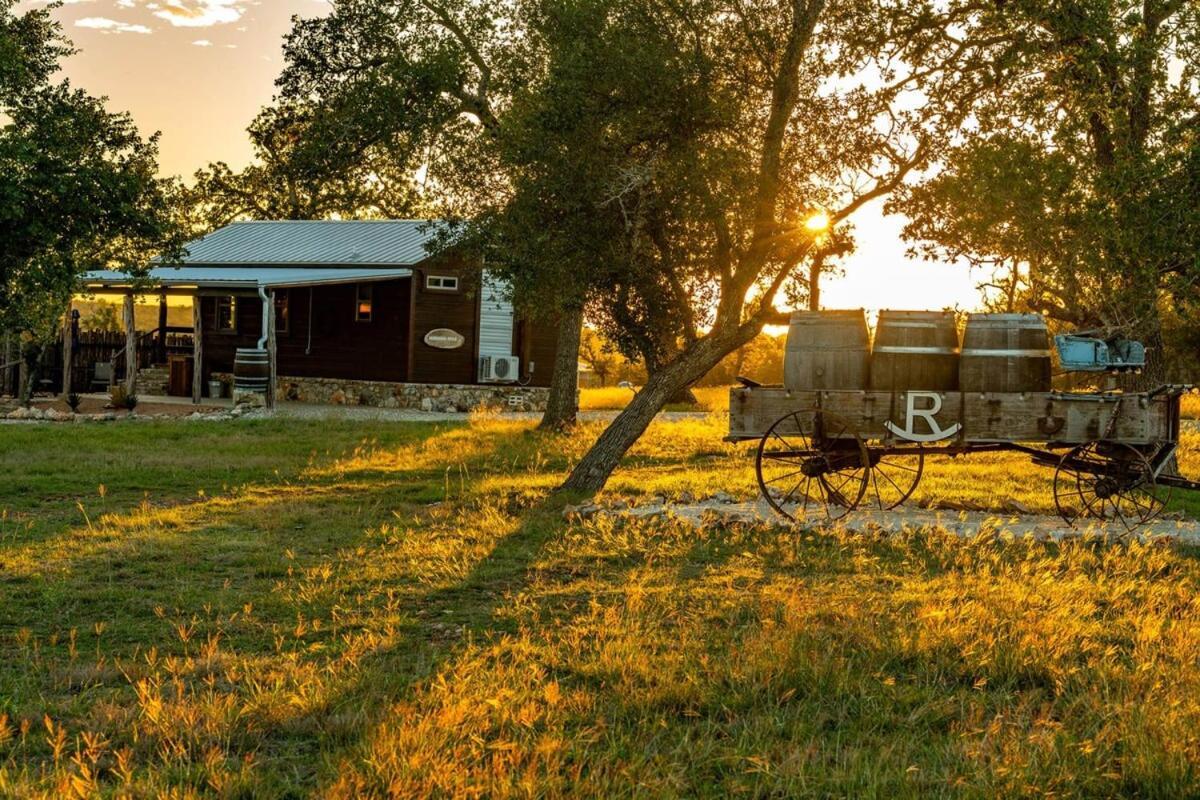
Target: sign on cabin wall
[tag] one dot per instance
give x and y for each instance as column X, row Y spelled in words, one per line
column 444, row 339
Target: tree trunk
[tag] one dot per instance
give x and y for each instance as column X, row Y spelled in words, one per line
column 131, row 348
column 1154, row 374
column 562, row 406
column 814, row 283
column 683, row 396
column 594, row 469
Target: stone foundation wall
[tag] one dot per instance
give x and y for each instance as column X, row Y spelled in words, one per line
column 420, row 396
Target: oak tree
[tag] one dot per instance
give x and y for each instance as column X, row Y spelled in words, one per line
column 436, row 80
column 1077, row 180
column 78, row 188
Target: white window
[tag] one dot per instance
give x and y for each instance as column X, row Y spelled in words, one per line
column 441, row 283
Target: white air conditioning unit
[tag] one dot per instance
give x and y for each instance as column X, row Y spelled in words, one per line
column 499, row 369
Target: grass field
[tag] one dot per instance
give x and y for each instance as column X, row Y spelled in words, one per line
column 283, row 609
column 614, row 398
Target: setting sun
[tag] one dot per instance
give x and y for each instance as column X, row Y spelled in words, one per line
column 818, row 221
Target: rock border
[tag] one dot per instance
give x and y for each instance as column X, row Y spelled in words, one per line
column 54, row 415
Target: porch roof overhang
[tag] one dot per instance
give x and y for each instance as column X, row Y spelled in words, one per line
column 258, row 277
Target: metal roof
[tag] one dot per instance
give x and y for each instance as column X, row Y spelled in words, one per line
column 246, row 277
column 341, row 243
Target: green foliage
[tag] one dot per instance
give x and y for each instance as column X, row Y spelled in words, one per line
column 105, row 317
column 119, row 397
column 652, row 161
column 31, row 46
column 1077, row 182
column 73, row 400
column 606, row 363
column 78, row 186
column 306, row 166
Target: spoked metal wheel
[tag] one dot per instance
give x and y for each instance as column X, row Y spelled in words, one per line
column 1109, row 481
column 894, row 477
column 810, row 466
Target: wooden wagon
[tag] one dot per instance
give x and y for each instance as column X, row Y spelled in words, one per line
column 827, row 452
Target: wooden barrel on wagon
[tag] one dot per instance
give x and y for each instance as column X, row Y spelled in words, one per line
column 915, row 350
column 827, row 350
column 251, row 370
column 1005, row 353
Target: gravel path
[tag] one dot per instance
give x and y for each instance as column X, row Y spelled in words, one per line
column 963, row 523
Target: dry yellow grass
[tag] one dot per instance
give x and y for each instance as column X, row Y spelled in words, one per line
column 1190, row 406
column 614, row 398
column 272, row 609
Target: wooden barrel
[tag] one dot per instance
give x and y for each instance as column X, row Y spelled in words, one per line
column 827, row 350
column 915, row 350
column 251, row 370
column 1005, row 353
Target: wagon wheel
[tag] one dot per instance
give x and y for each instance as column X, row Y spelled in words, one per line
column 812, row 459
column 894, row 477
column 1108, row 481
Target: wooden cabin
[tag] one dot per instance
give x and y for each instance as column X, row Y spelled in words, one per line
column 352, row 301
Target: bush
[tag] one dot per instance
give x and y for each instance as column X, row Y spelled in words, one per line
column 73, row 401
column 119, row 397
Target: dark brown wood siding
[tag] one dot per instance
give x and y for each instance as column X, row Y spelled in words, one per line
column 342, row 346
column 220, row 346
column 339, row 346
column 458, row 311
column 536, row 342
column 332, row 343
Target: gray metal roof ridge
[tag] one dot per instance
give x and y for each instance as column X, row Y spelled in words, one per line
column 327, row 243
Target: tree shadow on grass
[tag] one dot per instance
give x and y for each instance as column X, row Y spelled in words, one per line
column 243, row 570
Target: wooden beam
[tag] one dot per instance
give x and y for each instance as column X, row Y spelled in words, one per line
column 68, row 353
column 197, row 352
column 6, row 373
column 161, row 342
column 131, row 354
column 271, row 350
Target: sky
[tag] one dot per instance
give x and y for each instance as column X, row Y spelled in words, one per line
column 199, row 70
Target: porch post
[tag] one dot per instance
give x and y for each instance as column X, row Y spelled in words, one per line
column 271, row 350
column 161, row 354
column 68, row 352
column 6, row 372
column 197, row 351
column 131, row 354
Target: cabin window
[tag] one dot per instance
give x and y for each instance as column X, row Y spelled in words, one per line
column 281, row 311
column 364, row 305
column 226, row 314
column 441, row 283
